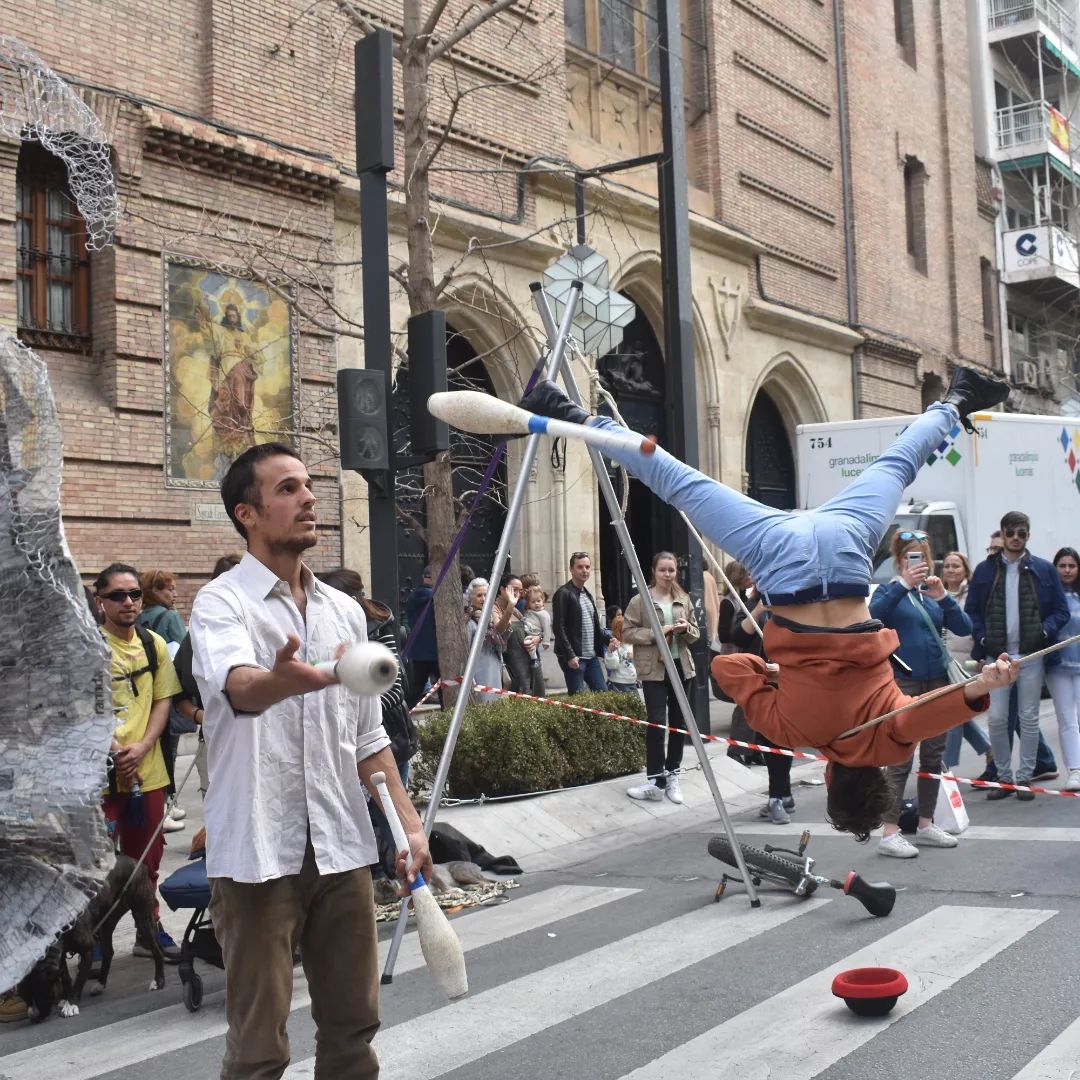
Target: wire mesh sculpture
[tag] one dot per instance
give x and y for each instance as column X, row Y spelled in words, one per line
column 37, row 104
column 56, row 718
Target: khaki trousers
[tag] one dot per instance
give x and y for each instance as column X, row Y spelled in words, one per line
column 332, row 918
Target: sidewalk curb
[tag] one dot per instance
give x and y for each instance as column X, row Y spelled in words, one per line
column 548, row 832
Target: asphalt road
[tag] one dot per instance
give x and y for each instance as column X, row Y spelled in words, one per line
column 625, row 966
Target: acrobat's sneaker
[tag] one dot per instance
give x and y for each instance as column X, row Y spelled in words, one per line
column 972, row 390
column 546, row 399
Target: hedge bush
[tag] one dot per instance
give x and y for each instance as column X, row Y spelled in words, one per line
column 514, row 747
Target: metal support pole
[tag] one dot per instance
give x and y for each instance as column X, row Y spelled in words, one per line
column 373, row 62
column 630, row 555
column 673, row 183
column 558, row 346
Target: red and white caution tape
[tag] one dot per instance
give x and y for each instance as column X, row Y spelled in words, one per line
column 480, row 688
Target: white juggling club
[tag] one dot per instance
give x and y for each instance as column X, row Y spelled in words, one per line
column 484, row 414
column 438, row 942
column 365, row 668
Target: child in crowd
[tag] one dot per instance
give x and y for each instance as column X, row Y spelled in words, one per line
column 619, row 660
column 537, row 620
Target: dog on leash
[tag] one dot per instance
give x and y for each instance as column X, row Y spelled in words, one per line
column 49, row 984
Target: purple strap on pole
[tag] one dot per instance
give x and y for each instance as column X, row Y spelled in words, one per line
column 459, row 539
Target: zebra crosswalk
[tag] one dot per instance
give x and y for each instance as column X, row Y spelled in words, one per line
column 642, row 989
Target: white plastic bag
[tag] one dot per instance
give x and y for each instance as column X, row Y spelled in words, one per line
column 950, row 813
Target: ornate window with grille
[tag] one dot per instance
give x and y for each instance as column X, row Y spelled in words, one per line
column 53, row 267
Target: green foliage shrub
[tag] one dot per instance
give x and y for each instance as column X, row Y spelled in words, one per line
column 514, row 747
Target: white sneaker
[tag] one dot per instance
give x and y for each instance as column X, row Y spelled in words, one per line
column 172, row 825
column 896, row 847
column 647, row 792
column 933, row 836
column 1073, row 783
column 177, row 812
column 673, row 791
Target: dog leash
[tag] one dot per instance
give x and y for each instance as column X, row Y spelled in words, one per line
column 141, row 859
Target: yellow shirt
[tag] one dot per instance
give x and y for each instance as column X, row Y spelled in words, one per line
column 132, row 703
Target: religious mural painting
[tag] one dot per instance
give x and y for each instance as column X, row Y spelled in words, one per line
column 231, row 375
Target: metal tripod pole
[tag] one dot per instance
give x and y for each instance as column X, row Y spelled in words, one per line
column 557, row 340
column 630, row 555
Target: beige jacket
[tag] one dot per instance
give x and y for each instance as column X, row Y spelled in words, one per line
column 636, row 632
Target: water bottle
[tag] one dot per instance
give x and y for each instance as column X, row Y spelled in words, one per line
column 136, row 808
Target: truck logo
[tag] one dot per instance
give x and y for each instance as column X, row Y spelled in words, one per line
column 946, row 449
column 1070, row 444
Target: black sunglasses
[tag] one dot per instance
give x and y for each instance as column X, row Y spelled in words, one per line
column 118, row 596
column 916, row 535
column 1020, row 532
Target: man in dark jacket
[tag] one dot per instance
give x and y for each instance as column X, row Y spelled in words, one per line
column 424, row 655
column 1016, row 605
column 580, row 640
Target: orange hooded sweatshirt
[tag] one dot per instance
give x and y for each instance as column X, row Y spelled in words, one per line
column 828, row 683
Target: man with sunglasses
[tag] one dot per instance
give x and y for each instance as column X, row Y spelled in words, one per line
column 1016, row 605
column 142, row 690
column 813, row 571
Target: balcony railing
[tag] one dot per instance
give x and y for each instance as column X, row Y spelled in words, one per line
column 1038, row 253
column 1035, row 122
column 1005, row 13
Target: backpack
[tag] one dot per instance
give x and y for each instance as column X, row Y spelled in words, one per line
column 150, row 649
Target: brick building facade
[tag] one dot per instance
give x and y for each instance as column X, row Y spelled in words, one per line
column 232, row 137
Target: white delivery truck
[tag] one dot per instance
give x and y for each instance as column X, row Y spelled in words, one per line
column 1017, row 462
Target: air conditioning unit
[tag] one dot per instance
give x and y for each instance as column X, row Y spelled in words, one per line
column 1026, row 373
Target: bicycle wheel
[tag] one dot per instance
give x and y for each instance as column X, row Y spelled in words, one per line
column 764, row 864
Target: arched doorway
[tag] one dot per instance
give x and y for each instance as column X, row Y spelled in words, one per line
column 770, row 463
column 634, row 375
column 470, row 454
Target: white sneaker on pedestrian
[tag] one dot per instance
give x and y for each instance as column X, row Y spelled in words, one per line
column 673, row 791
column 172, row 825
column 177, row 812
column 1073, row 783
column 896, row 846
column 647, row 792
column 775, row 812
column 933, row 836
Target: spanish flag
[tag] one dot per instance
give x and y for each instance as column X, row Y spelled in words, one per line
column 1059, row 128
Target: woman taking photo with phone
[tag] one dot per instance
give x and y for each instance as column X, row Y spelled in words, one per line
column 676, row 614
column 918, row 607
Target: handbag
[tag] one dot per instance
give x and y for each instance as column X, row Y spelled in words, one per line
column 953, row 670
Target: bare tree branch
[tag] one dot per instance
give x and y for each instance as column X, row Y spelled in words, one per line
column 432, row 21
column 467, row 26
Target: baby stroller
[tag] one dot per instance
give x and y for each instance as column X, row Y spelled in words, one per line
column 188, row 887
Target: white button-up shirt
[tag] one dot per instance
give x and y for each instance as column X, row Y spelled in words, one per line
column 276, row 774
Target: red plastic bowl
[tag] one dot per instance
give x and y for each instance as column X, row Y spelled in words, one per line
column 870, row 991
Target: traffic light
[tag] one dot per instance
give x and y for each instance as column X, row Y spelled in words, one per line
column 427, row 376
column 363, row 426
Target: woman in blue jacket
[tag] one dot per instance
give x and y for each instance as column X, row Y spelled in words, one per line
column 918, row 607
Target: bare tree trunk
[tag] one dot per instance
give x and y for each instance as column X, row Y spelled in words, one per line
column 438, row 475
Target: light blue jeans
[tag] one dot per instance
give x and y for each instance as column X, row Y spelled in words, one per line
column 1028, row 692
column 789, row 554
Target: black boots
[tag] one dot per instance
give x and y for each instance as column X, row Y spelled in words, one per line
column 971, row 390
column 546, row 399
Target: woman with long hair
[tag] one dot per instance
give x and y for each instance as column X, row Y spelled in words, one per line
column 1064, row 678
column 956, row 573
column 676, row 614
column 918, row 607
column 159, row 614
column 397, row 722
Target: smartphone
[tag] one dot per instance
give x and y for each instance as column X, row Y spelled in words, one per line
column 914, row 558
